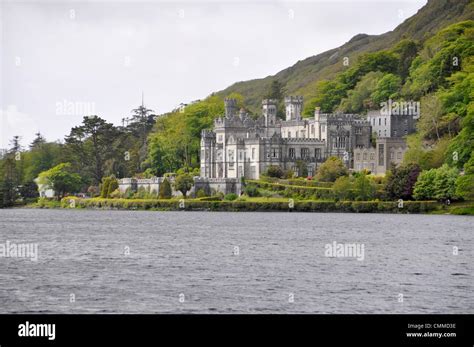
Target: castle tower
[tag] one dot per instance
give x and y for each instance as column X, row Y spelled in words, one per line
column 269, row 109
column 230, row 107
column 242, row 114
column 317, row 113
column 294, row 106
column 208, row 144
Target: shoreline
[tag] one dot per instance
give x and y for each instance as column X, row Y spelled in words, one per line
column 258, row 205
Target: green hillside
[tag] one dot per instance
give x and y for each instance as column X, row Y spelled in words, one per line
column 302, row 77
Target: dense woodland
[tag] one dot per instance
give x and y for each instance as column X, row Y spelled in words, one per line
column 436, row 69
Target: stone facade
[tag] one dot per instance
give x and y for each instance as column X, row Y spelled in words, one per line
column 151, row 185
column 209, row 185
column 213, row 185
column 391, row 125
column 378, row 159
column 241, row 146
column 390, row 129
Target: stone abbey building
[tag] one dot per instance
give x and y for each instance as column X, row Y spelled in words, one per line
column 241, row 146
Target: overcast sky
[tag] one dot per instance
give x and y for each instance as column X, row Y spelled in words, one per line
column 61, row 61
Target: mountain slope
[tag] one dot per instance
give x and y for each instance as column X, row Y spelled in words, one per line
column 302, row 76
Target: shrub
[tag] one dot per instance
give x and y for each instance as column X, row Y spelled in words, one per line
column 364, row 188
column 230, row 197
column 115, row 194
column 128, row 193
column 288, row 173
column 331, row 169
column 343, row 188
column 184, row 183
column 274, row 171
column 265, row 193
column 401, row 181
column 201, row 193
column 165, row 190
column 302, row 168
column 141, row 193
column 445, row 182
column 93, row 191
column 113, row 185
column 251, row 190
column 465, row 183
column 104, row 189
column 424, row 188
column 211, row 198
column 437, row 184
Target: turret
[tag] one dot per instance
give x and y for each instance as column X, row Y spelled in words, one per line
column 230, row 107
column 242, row 114
column 317, row 113
column 269, row 109
column 294, row 106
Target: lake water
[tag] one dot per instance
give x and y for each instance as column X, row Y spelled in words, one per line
column 216, row 262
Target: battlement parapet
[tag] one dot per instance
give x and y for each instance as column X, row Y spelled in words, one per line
column 208, row 133
column 294, row 140
column 293, row 99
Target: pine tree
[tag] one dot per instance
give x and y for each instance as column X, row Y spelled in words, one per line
column 165, row 189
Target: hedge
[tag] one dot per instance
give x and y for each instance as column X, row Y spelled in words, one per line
column 307, row 192
column 240, row 205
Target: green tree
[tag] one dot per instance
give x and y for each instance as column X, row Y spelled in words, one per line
column 430, row 123
column 383, row 61
column 328, row 95
column 331, row 169
column 113, row 186
column 104, row 189
column 302, row 167
column 274, row 171
column 437, row 184
column 230, row 197
column 423, row 154
column 424, row 186
column 89, row 146
column 359, row 98
column 142, row 122
column 251, row 190
column 9, row 180
column 165, row 189
column 364, row 188
column 406, row 51
column 386, row 88
column 401, row 181
column 61, row 179
column 275, row 91
column 445, row 182
column 460, row 149
column 12, row 170
column 465, row 183
column 183, row 183
column 175, row 140
column 41, row 157
column 440, row 57
column 343, row 188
